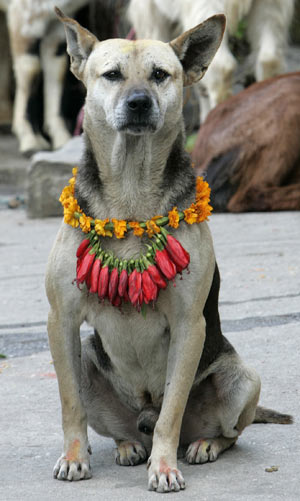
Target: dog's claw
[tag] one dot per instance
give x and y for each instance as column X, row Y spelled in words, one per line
column 130, row 453
column 71, row 470
column 204, row 451
column 166, row 480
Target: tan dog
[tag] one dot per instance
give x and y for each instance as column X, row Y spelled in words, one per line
column 173, row 370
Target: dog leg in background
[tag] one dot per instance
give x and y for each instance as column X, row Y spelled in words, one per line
column 26, row 64
column 268, row 27
column 5, row 69
column 54, row 61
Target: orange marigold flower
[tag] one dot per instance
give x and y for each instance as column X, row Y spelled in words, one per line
column 152, row 227
column 205, row 213
column 137, row 229
column 190, row 216
column 173, row 218
column 202, row 189
column 85, row 223
column 120, row 227
column 100, row 227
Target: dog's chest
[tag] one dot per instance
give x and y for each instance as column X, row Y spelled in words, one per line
column 137, row 348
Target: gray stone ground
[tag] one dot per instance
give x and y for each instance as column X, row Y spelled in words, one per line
column 259, row 260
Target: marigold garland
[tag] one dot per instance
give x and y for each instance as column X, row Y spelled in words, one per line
column 198, row 212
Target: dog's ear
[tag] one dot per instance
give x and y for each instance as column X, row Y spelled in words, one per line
column 196, row 47
column 80, row 43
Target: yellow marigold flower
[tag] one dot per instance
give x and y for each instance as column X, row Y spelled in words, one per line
column 202, row 189
column 66, row 193
column 173, row 218
column 100, row 227
column 190, row 216
column 120, row 227
column 152, row 227
column 85, row 223
column 137, row 229
column 69, row 217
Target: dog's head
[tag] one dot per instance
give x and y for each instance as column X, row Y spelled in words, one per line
column 135, row 87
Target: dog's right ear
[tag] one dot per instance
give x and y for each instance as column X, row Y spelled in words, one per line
column 80, row 43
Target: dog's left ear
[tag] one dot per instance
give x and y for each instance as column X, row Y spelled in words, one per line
column 80, row 43
column 196, row 47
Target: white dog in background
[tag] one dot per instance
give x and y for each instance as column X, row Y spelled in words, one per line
column 267, row 31
column 36, row 39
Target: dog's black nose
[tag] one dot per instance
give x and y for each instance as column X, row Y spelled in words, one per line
column 139, row 102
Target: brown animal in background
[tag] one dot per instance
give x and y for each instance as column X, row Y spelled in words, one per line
column 250, row 150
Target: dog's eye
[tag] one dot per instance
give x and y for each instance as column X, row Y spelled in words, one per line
column 159, row 75
column 113, row 75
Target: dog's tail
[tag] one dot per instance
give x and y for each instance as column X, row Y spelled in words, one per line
column 264, row 415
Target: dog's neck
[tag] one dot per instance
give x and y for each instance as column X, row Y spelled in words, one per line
column 127, row 177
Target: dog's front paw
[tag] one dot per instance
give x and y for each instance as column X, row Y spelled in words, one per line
column 130, row 453
column 74, row 465
column 164, row 478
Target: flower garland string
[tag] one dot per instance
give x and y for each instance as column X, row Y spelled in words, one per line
column 137, row 281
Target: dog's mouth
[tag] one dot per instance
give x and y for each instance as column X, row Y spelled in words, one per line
column 137, row 128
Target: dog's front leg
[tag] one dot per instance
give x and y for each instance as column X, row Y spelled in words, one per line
column 65, row 347
column 186, row 345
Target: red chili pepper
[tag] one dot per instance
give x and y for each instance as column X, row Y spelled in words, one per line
column 149, row 287
column 113, row 284
column 123, row 282
column 95, row 275
column 154, row 273
column 140, row 301
column 80, row 259
column 165, row 264
column 82, row 247
column 103, row 281
column 134, row 286
column 156, row 276
column 117, row 301
column 88, row 279
column 85, row 266
column 177, row 253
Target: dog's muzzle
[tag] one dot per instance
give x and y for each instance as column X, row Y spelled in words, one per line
column 140, row 112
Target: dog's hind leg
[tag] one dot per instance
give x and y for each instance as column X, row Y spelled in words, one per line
column 237, row 389
column 220, row 408
column 207, row 450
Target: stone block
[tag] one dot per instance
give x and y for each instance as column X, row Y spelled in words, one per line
column 48, row 173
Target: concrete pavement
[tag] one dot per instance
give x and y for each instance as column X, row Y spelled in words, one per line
column 259, row 260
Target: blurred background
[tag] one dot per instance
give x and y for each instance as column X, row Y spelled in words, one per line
column 242, row 121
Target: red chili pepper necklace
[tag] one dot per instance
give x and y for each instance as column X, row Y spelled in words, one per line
column 137, row 281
